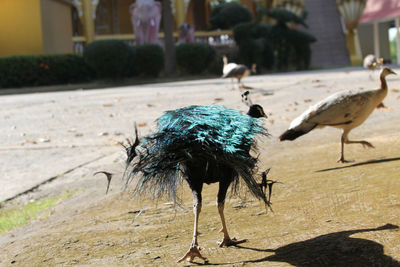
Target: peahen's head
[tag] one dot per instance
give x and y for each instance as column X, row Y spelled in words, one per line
column 386, row 71
column 256, row 111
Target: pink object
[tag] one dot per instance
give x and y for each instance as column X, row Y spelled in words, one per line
column 380, row 9
column 186, row 33
column 145, row 18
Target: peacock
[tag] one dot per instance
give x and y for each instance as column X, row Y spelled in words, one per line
column 345, row 110
column 201, row 144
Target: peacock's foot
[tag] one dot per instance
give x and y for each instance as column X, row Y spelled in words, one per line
column 231, row 242
column 193, row 252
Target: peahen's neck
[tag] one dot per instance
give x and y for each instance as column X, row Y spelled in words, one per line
column 383, row 83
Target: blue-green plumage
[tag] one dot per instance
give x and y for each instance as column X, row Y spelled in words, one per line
column 214, row 139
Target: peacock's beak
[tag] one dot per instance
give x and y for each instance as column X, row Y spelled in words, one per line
column 392, row 72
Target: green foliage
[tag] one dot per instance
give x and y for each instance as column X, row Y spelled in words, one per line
column 149, row 59
column 284, row 16
column 275, row 45
column 109, row 58
column 255, row 44
column 301, row 45
column 115, row 59
column 293, row 47
column 21, row 71
column 194, row 58
column 216, row 66
column 226, row 16
column 393, row 49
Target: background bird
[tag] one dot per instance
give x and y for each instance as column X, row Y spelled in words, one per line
column 238, row 71
column 371, row 62
column 345, row 110
column 203, row 144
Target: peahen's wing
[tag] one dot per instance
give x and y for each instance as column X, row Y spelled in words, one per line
column 340, row 108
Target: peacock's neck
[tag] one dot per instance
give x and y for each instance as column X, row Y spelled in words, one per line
column 383, row 83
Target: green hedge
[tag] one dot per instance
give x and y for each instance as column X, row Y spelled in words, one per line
column 109, row 58
column 21, row 71
column 255, row 44
column 149, row 59
column 114, row 59
column 227, row 15
column 275, row 46
column 194, row 58
column 101, row 59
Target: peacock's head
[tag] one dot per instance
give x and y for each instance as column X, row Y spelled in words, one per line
column 256, row 111
column 386, row 71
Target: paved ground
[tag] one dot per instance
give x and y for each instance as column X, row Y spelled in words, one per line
column 47, row 134
column 66, row 136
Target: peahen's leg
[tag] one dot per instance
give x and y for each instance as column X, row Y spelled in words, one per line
column 345, row 140
column 227, row 241
column 194, row 250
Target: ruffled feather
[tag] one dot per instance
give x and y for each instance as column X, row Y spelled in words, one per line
column 196, row 133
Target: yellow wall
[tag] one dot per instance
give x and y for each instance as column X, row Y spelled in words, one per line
column 56, row 27
column 20, row 27
column 125, row 17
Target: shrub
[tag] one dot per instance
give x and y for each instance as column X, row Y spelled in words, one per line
column 293, row 47
column 21, row 71
column 302, row 48
column 149, row 59
column 109, row 58
column 275, row 45
column 194, row 58
column 255, row 44
column 216, row 66
column 226, row 16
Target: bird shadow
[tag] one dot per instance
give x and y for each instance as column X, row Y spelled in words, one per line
column 334, row 249
column 375, row 161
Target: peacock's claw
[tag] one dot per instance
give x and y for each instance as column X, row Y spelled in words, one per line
column 230, row 242
column 193, row 252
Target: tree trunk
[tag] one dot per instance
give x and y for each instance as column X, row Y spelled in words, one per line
column 170, row 58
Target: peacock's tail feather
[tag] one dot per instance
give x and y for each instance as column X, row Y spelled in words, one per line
column 196, row 134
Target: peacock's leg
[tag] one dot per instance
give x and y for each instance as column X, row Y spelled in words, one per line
column 194, row 250
column 227, row 241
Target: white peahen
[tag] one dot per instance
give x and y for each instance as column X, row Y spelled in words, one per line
column 345, row 110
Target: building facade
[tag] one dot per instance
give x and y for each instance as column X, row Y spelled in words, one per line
column 63, row 26
column 29, row 27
